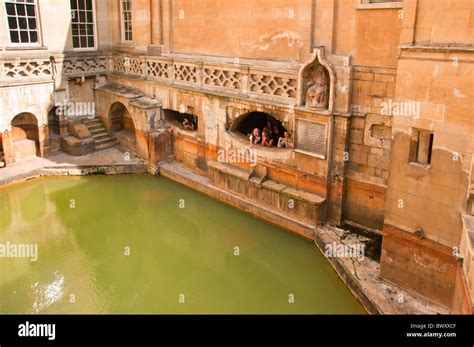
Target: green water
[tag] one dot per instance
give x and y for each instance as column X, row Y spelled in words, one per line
column 122, row 244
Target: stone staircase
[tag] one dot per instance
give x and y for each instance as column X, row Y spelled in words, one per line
column 102, row 138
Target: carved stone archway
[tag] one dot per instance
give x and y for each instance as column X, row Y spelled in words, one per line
column 25, row 136
column 145, row 112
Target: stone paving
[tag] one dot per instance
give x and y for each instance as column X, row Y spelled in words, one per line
column 32, row 166
column 387, row 298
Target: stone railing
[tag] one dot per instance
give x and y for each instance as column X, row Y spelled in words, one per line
column 225, row 78
column 29, row 70
column 26, row 70
column 79, row 65
column 233, row 79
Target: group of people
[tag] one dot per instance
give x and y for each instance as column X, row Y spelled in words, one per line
column 270, row 136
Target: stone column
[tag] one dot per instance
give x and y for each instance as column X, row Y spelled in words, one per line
column 338, row 154
column 142, row 139
column 156, row 23
column 8, row 147
column 157, row 146
column 43, row 139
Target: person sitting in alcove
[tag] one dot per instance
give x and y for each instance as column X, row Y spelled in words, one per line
column 285, row 141
column 267, row 141
column 255, row 137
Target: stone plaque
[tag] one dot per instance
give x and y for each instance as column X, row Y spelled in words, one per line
column 311, row 137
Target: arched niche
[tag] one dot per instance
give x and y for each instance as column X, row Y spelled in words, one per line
column 123, row 125
column 120, row 117
column 25, row 135
column 317, row 80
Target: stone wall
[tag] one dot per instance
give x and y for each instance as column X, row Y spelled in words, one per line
column 426, row 201
column 369, row 146
column 422, row 266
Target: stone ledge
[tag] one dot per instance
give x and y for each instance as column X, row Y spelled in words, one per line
column 117, row 89
column 268, row 184
column 180, row 174
column 84, row 170
column 272, row 185
column 379, row 6
column 437, row 49
column 229, row 170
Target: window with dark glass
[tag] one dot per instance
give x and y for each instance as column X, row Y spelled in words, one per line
column 82, row 19
column 22, row 21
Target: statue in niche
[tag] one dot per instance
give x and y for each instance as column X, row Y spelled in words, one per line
column 317, row 95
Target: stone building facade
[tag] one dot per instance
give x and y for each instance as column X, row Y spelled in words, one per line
column 377, row 96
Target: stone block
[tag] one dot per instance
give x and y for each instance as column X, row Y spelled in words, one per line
column 79, row 130
column 77, row 147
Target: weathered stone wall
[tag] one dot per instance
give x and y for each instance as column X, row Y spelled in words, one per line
column 444, row 23
column 337, row 182
column 462, row 302
column 81, row 91
column 422, row 266
column 194, row 149
column 371, row 36
column 369, row 146
column 431, row 197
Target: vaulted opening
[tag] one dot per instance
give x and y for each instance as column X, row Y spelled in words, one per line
column 25, row 136
column 264, row 122
column 182, row 120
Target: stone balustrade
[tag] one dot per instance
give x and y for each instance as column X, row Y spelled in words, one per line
column 25, row 70
column 232, row 79
column 44, row 68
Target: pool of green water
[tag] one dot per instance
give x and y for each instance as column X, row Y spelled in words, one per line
column 143, row 244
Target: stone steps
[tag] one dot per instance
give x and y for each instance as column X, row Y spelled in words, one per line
column 102, row 138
